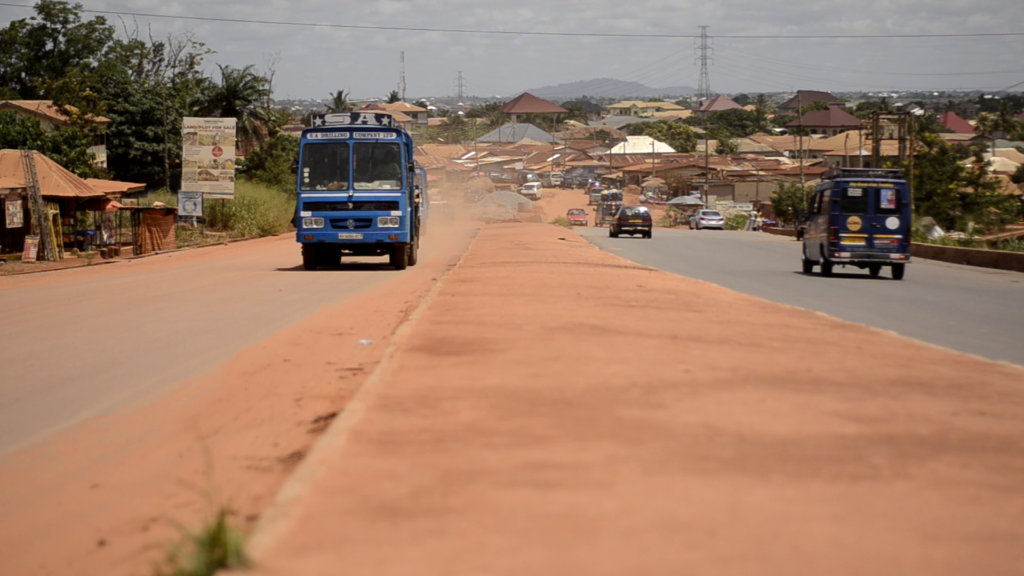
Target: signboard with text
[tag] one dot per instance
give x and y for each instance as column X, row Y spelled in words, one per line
column 190, row 204
column 208, row 156
column 31, row 251
column 15, row 213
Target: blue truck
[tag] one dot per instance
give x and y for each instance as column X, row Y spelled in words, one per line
column 357, row 191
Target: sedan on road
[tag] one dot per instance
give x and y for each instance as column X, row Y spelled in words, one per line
column 631, row 220
column 577, row 217
column 707, row 219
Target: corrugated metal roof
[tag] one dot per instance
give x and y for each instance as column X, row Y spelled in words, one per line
column 54, row 180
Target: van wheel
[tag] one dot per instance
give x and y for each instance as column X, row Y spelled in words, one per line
column 874, row 270
column 807, row 263
column 399, row 257
column 826, row 267
column 898, row 270
column 310, row 259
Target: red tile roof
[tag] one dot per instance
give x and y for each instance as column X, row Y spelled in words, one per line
column 527, row 103
column 717, row 104
column 46, row 109
column 955, row 123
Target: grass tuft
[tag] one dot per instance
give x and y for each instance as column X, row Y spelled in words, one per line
column 562, row 221
column 216, row 546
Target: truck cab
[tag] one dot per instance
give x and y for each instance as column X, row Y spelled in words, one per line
column 357, row 191
column 859, row 217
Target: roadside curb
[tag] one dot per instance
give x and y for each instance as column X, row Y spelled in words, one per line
column 93, row 265
column 282, row 512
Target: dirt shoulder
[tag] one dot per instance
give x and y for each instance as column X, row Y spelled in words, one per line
column 559, row 410
column 104, row 497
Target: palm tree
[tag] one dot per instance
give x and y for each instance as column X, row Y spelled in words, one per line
column 762, row 109
column 241, row 95
column 339, row 103
column 394, row 97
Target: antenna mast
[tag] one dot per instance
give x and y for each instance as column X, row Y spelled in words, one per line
column 702, row 51
column 401, row 78
column 462, row 84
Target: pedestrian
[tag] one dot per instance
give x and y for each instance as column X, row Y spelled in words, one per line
column 760, row 222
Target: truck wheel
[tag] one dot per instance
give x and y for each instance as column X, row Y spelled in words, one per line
column 825, row 265
column 898, row 270
column 874, row 270
column 399, row 257
column 310, row 259
column 414, row 249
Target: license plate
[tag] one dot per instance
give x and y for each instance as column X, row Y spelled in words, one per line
column 350, row 236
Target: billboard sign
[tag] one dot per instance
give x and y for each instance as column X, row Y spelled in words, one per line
column 208, row 156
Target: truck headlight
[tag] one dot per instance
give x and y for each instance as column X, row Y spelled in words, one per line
column 389, row 222
column 312, row 222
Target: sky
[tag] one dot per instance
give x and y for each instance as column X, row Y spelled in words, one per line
column 315, row 61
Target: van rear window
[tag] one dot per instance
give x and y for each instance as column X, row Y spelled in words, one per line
column 888, row 201
column 854, row 201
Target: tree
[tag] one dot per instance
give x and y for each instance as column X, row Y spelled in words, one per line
column 1018, row 175
column 742, row 99
column 999, row 124
column 951, row 186
column 762, row 109
column 65, row 146
column 726, row 146
column 38, row 54
column 865, row 109
column 789, row 201
column 655, row 99
column 736, row 123
column 576, row 112
column 272, row 162
column 675, row 134
column 240, row 95
column 339, row 103
column 393, row 97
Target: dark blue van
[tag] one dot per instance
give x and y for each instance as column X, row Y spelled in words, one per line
column 859, row 217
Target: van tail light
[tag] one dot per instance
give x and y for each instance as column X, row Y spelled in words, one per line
column 832, row 234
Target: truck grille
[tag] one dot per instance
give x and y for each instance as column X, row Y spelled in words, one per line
column 357, row 224
column 350, row 206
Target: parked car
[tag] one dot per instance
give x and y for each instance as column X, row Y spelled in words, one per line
column 531, row 190
column 577, row 217
column 631, row 220
column 702, row 219
column 556, row 179
column 595, row 196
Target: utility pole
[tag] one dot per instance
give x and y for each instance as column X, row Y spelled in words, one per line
column 401, row 77
column 800, row 120
column 461, row 86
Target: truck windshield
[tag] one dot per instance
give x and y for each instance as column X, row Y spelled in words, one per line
column 324, row 166
column 377, row 166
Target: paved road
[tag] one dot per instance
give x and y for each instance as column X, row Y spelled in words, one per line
column 81, row 342
column 973, row 310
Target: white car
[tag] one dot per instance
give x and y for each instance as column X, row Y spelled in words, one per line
column 707, row 219
column 531, row 190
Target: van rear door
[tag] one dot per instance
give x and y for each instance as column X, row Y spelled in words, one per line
column 889, row 217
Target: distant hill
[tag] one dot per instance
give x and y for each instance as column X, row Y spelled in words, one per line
column 608, row 88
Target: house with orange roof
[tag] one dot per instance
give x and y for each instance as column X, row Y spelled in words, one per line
column 955, row 123
column 50, row 116
column 831, row 121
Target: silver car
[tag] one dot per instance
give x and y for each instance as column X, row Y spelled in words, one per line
column 531, row 190
column 707, row 219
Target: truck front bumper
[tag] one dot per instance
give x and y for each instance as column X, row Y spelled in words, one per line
column 353, row 237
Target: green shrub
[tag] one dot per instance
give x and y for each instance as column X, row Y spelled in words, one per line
column 737, row 222
column 257, row 210
column 562, row 221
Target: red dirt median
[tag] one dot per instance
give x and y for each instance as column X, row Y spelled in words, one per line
column 558, row 410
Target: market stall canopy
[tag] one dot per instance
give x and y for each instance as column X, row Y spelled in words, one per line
column 101, row 205
column 54, row 180
column 115, row 188
column 685, row 201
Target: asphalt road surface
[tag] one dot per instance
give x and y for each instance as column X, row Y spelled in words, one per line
column 974, row 310
column 81, row 342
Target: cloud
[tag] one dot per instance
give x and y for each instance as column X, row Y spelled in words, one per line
column 316, row 61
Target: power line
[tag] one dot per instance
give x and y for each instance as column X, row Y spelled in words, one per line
column 530, row 32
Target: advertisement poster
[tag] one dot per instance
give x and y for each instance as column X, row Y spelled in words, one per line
column 888, row 199
column 15, row 214
column 190, row 204
column 208, row 157
column 31, row 251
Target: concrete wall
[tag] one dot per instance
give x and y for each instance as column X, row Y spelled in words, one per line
column 997, row 259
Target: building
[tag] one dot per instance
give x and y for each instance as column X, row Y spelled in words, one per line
column 642, row 145
column 518, row 133
column 527, row 103
column 717, row 104
column 51, row 117
column 418, row 116
column 804, row 98
column 834, row 120
column 955, row 123
column 642, row 109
